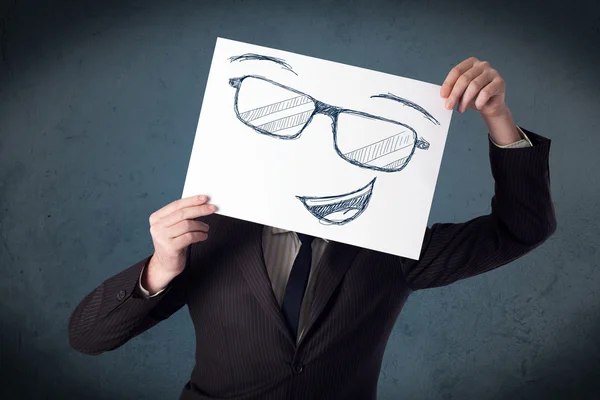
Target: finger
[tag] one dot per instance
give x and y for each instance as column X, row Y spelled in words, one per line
column 496, row 86
column 176, row 205
column 454, row 74
column 473, row 89
column 461, row 85
column 189, row 225
column 187, row 213
column 186, row 239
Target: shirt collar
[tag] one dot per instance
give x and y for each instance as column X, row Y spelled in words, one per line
column 279, row 231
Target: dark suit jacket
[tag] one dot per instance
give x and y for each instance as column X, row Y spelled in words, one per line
column 244, row 349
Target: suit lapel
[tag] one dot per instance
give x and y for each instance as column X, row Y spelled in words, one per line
column 333, row 265
column 252, row 265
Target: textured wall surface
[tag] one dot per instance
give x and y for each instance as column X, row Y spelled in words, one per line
column 99, row 102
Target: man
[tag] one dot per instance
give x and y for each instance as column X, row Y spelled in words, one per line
column 263, row 331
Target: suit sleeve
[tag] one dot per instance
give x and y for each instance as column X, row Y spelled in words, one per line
column 117, row 311
column 522, row 217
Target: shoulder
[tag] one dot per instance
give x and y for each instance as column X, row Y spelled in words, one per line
column 227, row 229
column 218, row 222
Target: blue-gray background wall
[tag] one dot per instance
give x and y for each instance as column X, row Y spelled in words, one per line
column 99, row 102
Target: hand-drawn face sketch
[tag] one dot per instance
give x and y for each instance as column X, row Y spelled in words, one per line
column 279, row 111
column 318, row 147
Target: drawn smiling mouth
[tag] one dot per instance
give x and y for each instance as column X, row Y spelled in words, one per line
column 339, row 209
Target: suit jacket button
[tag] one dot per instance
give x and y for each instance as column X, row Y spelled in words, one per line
column 121, row 295
column 298, row 368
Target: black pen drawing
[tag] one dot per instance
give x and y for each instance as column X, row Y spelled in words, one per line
column 339, row 209
column 389, row 147
column 406, row 102
column 282, row 112
column 260, row 57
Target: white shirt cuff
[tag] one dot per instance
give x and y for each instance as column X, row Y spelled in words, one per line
column 524, row 142
column 144, row 292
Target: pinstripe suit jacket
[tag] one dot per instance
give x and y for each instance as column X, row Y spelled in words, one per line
column 244, row 349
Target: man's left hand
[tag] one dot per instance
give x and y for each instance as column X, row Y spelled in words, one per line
column 476, row 85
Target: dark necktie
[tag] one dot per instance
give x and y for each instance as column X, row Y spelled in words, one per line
column 296, row 285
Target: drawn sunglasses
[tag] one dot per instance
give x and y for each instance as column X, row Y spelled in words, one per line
column 275, row 110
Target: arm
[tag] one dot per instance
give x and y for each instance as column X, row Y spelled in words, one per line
column 521, row 219
column 116, row 311
column 522, row 215
column 149, row 291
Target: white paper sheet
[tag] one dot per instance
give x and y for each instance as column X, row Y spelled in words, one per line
column 276, row 142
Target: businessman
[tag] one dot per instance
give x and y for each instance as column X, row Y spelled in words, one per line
column 280, row 315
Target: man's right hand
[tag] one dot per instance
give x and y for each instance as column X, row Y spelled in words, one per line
column 173, row 229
